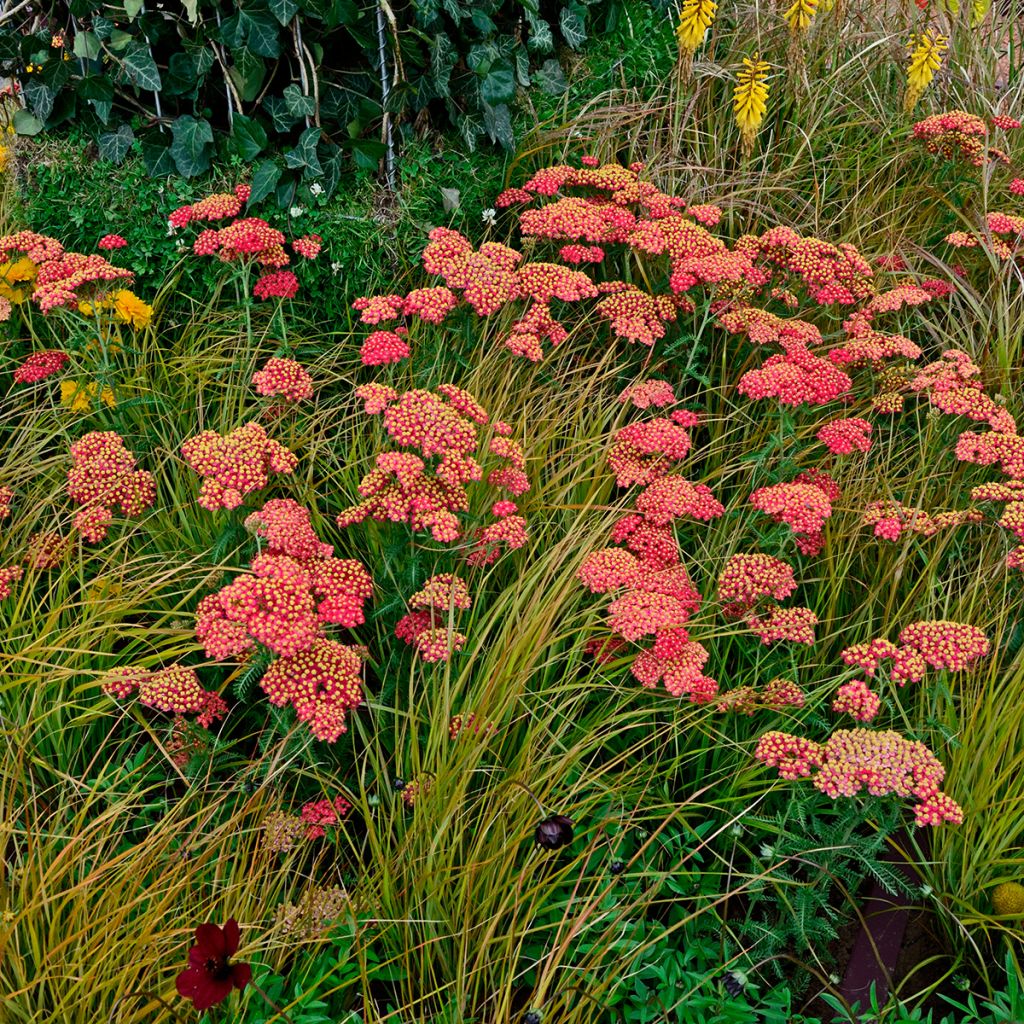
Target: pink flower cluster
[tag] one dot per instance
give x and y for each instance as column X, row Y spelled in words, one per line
column 957, row 134
column 104, row 476
column 858, row 700
column 284, row 377
column 644, row 451
column 775, row 695
column 843, row 436
column 803, row 507
column 320, row 815
column 235, row 465
column 425, row 485
column 40, row 365
column 296, row 587
column 938, row 644
column 246, row 238
column 429, row 625
column 10, row 574
column 175, row 690
column 890, row 519
column 853, row 761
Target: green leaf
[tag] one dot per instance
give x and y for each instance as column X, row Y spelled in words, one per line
column 304, row 154
column 264, row 181
column 86, row 46
column 573, row 26
column 99, row 92
column 283, row 10
column 498, row 122
column 141, row 68
column 119, row 39
column 298, row 105
column 132, row 8
column 550, row 78
column 192, row 145
column 156, row 154
column 248, row 137
column 541, row 39
column 192, row 10
column 39, row 98
column 114, row 146
column 26, row 123
column 248, row 73
column 498, row 86
column 261, row 32
column 442, row 59
column 283, row 119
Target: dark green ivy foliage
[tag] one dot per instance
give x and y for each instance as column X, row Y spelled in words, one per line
column 293, row 86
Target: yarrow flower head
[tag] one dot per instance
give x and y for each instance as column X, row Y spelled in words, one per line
column 111, row 242
column 40, row 365
column 284, row 377
column 843, row 436
column 104, row 476
column 236, row 464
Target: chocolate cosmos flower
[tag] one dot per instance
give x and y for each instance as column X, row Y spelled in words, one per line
column 210, row 975
column 554, row 832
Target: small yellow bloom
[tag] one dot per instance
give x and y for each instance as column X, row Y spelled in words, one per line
column 79, row 397
column 750, row 98
column 926, row 52
column 20, row 270
column 979, row 8
column 801, row 14
column 695, row 18
column 132, row 310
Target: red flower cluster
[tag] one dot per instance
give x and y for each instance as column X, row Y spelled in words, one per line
column 279, row 284
column 748, row 579
column 643, row 452
column 235, row 465
column 803, row 507
column 218, row 206
column 853, row 761
column 843, row 436
column 383, row 347
column 111, row 242
column 427, row 486
column 858, row 700
column 320, row 815
column 958, row 134
column 646, row 393
column 175, row 690
column 939, row 644
column 429, row 625
column 73, row 277
column 11, row 574
column 103, row 476
column 322, row 682
column 40, row 365
column 891, row 518
column 296, row 588
column 284, row 377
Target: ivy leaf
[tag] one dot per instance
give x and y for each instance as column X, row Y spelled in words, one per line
column 573, row 26
column 248, row 137
column 498, row 122
column 132, row 8
column 283, row 119
column 498, row 86
column 86, row 46
column 141, row 68
column 541, row 39
column 550, row 78
column 156, row 154
column 248, row 73
column 261, row 33
column 264, row 181
column 26, row 123
column 304, row 154
column 283, row 10
column 39, row 97
column 114, row 146
column 192, row 145
column 442, row 59
column 99, row 92
column 298, row 105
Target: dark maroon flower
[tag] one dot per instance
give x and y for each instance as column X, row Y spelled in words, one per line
column 210, row 975
column 554, row 832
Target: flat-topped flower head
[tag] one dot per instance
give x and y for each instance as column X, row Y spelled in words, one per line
column 235, row 464
column 40, row 365
column 843, row 436
column 858, row 700
column 285, row 378
column 748, row 579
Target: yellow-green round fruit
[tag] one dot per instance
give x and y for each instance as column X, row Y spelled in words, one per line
column 1008, row 898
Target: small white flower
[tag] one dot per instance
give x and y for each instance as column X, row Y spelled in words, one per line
column 316, row 188
column 181, row 247
column 296, row 211
column 834, row 978
column 490, row 217
column 335, row 268
column 926, row 891
column 171, row 229
column 737, row 829
column 766, row 851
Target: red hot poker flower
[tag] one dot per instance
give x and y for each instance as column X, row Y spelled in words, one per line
column 210, row 975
